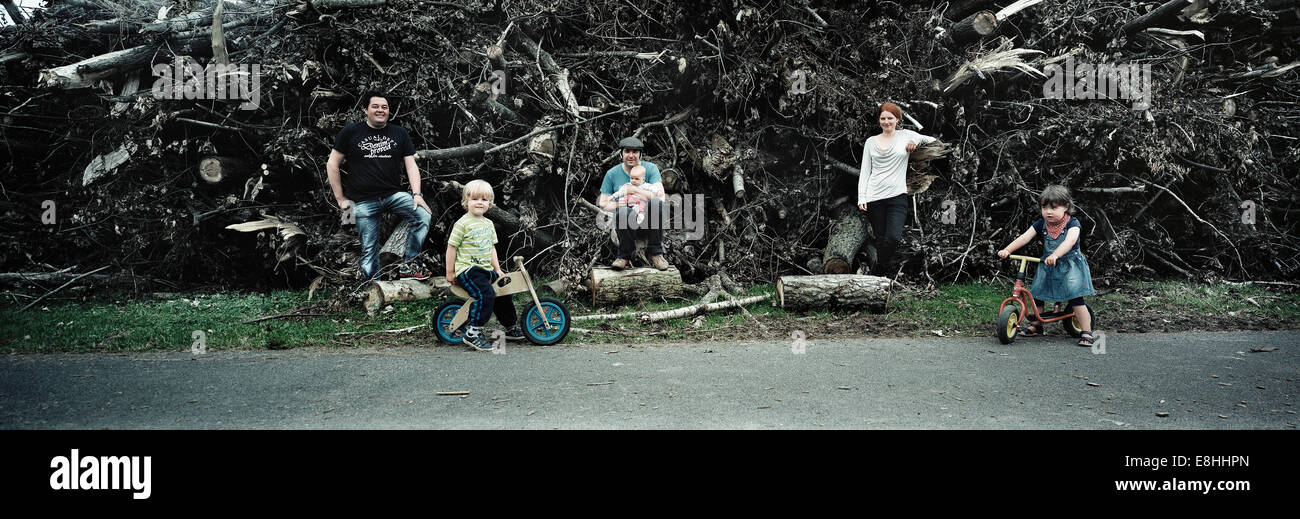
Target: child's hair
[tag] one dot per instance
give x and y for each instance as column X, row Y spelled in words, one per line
column 476, row 187
column 1057, row 194
column 634, row 168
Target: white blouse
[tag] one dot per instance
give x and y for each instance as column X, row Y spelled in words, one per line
column 884, row 172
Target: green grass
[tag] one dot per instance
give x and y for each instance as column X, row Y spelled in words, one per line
column 171, row 324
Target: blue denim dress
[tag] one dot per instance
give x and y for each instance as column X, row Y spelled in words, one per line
column 1070, row 278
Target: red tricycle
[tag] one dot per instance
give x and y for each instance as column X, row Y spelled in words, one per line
column 1009, row 316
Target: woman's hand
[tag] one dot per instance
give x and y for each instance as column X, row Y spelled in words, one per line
column 1004, row 253
column 911, row 145
column 451, row 278
column 862, row 207
column 1051, row 260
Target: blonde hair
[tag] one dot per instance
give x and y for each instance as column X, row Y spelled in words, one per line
column 476, row 187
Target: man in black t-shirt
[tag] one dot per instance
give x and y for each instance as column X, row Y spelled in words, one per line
column 377, row 153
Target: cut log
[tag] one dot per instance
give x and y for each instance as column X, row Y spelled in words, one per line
column 16, row 278
column 830, row 291
column 106, row 163
column 847, row 236
column 395, row 247
column 216, row 170
column 383, row 293
column 670, row 179
column 738, row 182
column 87, row 72
column 640, row 284
column 974, row 27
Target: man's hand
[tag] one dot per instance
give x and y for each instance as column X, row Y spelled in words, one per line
column 862, row 207
column 419, row 202
column 1003, row 253
column 451, row 278
column 344, row 203
column 500, row 273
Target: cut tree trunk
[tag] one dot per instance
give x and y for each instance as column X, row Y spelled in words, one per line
column 87, row 72
column 216, row 170
column 830, row 291
column 395, row 248
column 383, row 293
column 847, row 236
column 974, row 27
column 639, row 284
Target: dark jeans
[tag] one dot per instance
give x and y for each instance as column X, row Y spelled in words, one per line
column 887, row 218
column 479, row 283
column 652, row 229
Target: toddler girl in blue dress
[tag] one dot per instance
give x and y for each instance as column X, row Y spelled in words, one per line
column 1063, row 274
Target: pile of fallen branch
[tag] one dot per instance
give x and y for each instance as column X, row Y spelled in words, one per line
column 762, row 108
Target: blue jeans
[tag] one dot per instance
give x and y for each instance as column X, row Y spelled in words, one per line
column 369, row 215
column 478, row 282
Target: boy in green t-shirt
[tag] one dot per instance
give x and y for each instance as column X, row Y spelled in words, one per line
column 472, row 263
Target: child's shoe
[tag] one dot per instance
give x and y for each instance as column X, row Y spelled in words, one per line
column 515, row 333
column 474, row 338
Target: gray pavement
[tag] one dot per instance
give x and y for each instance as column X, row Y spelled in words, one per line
column 1202, row 380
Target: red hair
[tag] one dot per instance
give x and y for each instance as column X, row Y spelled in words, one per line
column 891, row 108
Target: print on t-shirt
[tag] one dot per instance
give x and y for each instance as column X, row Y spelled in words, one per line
column 376, row 145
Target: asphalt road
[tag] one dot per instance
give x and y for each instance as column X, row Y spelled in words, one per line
column 1201, row 380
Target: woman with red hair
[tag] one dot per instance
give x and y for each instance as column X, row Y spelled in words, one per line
column 882, row 185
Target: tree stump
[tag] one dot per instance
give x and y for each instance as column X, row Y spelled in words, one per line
column 617, row 286
column 382, row 293
column 830, row 291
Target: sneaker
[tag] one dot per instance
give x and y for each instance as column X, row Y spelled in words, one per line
column 407, row 272
column 477, row 341
column 659, row 261
column 619, row 264
column 515, row 333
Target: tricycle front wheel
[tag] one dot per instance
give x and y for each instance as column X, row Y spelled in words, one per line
column 1008, row 324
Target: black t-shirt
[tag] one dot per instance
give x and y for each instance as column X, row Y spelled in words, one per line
column 376, row 160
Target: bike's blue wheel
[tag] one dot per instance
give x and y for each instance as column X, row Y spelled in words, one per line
column 442, row 321
column 555, row 313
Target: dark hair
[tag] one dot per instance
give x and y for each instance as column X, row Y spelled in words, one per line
column 1057, row 194
column 366, row 97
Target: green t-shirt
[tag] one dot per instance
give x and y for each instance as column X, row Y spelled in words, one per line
column 473, row 238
